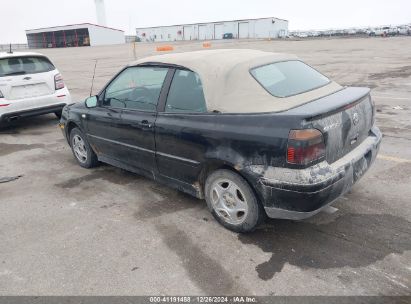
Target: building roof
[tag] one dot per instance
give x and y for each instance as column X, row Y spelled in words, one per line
column 52, row 28
column 228, row 84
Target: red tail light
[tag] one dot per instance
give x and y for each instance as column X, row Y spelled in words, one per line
column 3, row 104
column 58, row 81
column 305, row 146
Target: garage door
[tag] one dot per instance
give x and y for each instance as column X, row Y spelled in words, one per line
column 202, row 32
column 243, row 32
column 188, row 33
column 218, row 31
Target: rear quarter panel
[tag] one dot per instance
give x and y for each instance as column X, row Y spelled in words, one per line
column 230, row 139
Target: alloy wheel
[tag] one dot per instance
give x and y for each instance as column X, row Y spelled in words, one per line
column 229, row 201
column 79, row 149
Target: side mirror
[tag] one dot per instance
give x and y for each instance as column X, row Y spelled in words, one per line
column 91, row 102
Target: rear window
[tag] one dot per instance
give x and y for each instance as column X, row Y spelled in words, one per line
column 288, row 78
column 24, row 65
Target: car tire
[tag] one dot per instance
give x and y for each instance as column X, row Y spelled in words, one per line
column 233, row 202
column 82, row 151
column 58, row 114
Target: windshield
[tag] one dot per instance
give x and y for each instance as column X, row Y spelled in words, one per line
column 24, row 65
column 288, row 78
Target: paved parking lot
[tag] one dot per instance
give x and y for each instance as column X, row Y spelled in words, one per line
column 65, row 230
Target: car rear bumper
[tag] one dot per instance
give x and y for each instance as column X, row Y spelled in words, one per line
column 298, row 194
column 15, row 109
column 12, row 116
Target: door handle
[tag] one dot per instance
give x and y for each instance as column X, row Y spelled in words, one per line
column 146, row 124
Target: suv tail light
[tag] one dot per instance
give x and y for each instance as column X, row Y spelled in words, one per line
column 305, row 146
column 3, row 104
column 58, row 82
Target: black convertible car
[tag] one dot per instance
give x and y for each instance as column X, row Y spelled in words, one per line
column 254, row 133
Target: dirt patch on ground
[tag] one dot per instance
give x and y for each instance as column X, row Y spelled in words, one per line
column 352, row 240
column 207, row 273
column 6, row 149
column 402, row 72
column 359, row 84
column 173, row 202
column 110, row 174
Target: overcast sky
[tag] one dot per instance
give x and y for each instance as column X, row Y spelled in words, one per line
column 18, row 15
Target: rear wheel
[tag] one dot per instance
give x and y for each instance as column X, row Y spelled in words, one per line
column 232, row 201
column 82, row 150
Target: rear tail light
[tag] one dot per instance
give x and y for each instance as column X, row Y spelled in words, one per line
column 3, row 104
column 305, row 146
column 58, row 81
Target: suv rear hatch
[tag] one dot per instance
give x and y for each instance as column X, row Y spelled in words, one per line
column 345, row 118
column 26, row 77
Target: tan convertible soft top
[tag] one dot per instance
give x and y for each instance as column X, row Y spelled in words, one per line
column 228, row 85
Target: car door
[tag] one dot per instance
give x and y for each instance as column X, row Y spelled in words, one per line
column 103, row 127
column 180, row 145
column 139, row 114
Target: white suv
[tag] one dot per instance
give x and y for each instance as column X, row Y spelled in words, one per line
column 30, row 85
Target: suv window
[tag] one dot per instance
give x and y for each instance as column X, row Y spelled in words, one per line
column 284, row 79
column 186, row 94
column 136, row 88
column 25, row 65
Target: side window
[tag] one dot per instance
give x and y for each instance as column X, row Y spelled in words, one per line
column 136, row 88
column 186, row 94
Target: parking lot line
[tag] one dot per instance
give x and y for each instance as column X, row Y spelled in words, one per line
column 394, row 159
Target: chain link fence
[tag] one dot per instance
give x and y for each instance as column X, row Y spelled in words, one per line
column 14, row 47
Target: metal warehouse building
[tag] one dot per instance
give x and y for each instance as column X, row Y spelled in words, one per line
column 85, row 34
column 240, row 29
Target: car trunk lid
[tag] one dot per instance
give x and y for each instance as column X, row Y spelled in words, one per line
column 345, row 118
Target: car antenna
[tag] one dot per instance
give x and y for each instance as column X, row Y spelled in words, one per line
column 10, row 51
column 92, row 81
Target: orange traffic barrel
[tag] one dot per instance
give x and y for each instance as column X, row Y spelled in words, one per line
column 164, row 48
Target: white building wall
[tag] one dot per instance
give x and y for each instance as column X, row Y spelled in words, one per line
column 99, row 35
column 231, row 27
column 189, row 32
column 105, row 36
column 257, row 28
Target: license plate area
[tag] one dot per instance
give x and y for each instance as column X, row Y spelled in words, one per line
column 361, row 166
column 29, row 90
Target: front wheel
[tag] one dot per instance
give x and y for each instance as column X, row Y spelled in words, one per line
column 82, row 150
column 232, row 201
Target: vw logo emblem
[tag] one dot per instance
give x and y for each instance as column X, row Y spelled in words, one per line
column 355, row 118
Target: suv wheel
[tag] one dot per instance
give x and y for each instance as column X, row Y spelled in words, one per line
column 232, row 201
column 82, row 150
